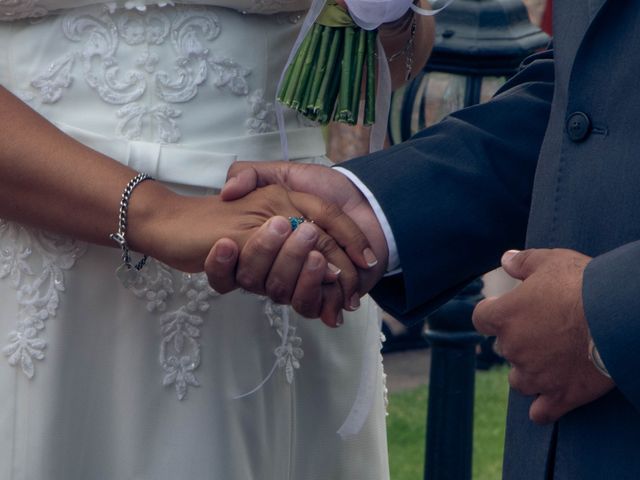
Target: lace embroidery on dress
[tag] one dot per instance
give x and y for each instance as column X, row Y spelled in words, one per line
column 99, row 33
column 180, row 327
column 385, row 388
column 262, row 118
column 181, row 301
column 289, row 353
column 38, row 289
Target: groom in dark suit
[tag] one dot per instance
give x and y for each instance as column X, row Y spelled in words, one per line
column 550, row 165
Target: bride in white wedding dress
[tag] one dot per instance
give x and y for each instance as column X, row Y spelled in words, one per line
column 103, row 383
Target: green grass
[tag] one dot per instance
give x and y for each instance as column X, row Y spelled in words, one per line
column 406, row 428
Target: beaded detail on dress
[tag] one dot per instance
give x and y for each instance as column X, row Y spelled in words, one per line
column 181, row 301
column 180, row 325
column 35, row 262
column 101, row 39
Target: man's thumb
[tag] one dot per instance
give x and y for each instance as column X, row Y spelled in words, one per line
column 520, row 264
column 239, row 183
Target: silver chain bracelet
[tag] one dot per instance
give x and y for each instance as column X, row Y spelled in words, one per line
column 127, row 272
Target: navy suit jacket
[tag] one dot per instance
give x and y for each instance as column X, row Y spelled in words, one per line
column 509, row 174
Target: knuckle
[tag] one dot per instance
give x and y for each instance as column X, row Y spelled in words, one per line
column 263, row 245
column 525, row 261
column 540, row 416
column 248, row 281
column 278, row 291
column 330, row 210
column 221, row 283
column 273, row 189
column 326, row 244
column 233, row 170
column 306, row 307
column 517, row 381
column 486, row 316
column 348, row 278
column 509, row 353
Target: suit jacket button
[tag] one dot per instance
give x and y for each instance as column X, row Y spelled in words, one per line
column 578, row 126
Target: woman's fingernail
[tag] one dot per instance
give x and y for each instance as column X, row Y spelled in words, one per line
column 354, row 303
column 370, row 257
column 339, row 320
column 224, row 253
column 333, row 269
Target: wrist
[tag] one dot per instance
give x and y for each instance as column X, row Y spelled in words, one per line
column 151, row 208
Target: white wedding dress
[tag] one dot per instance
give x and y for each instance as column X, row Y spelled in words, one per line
column 102, row 383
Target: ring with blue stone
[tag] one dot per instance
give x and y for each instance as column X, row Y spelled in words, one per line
column 295, row 222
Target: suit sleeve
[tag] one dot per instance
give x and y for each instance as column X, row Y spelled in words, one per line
column 612, row 307
column 458, row 194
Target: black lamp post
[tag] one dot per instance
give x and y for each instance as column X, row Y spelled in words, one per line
column 479, row 43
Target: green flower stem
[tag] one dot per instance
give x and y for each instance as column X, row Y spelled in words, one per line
column 326, row 40
column 326, row 97
column 372, row 81
column 346, row 82
column 332, row 97
column 295, row 69
column 326, row 78
column 305, row 95
column 357, row 80
column 307, row 66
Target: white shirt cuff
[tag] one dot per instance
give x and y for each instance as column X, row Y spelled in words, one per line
column 393, row 265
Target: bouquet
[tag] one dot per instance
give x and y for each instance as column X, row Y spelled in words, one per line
column 325, row 79
column 335, row 65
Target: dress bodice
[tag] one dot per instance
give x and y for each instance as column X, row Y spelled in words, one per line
column 18, row 9
column 177, row 91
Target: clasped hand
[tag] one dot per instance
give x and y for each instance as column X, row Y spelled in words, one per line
column 314, row 267
column 320, row 268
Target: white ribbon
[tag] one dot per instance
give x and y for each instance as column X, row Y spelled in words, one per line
column 286, row 326
column 205, row 166
column 369, row 376
column 370, row 14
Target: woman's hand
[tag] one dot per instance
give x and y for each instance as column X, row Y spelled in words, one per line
column 185, row 229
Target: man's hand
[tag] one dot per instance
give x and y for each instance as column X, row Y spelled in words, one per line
column 541, row 329
column 262, row 262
